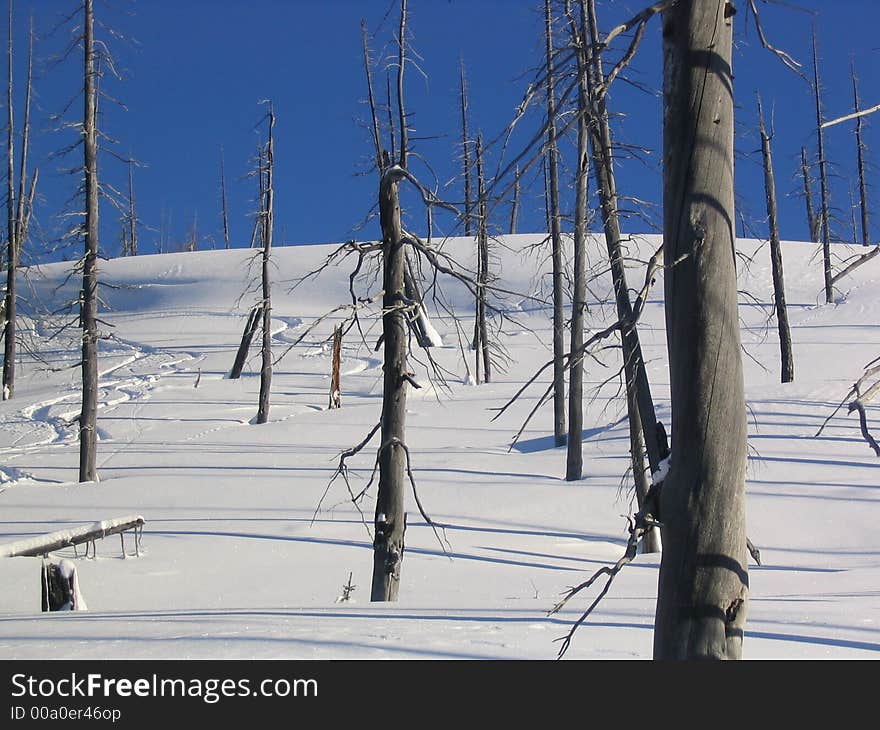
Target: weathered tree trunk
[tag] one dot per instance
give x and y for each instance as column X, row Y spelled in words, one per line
column 335, row 389
column 812, row 222
column 9, row 351
column 88, row 432
column 250, row 329
column 483, row 276
column 268, row 216
column 824, row 221
column 635, row 373
column 575, row 458
column 559, row 432
column 860, row 153
column 786, row 357
column 465, row 151
column 390, row 518
column 224, row 207
column 703, row 584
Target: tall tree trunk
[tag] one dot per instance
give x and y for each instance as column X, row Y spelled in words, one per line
column 390, row 518
column 703, row 584
column 860, row 152
column 268, row 215
column 552, row 159
column 601, row 146
column 812, row 222
column 823, row 182
column 575, row 459
column 483, row 277
column 89, row 305
column 786, row 357
column 9, row 351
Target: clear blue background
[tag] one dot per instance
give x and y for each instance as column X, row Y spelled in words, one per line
column 194, row 72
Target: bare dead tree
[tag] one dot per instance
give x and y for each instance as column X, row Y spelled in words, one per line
column 130, row 241
column 267, row 216
column 786, row 357
column 481, row 338
column 812, row 221
column 824, row 221
column 465, row 150
column 860, row 158
column 552, row 162
column 703, row 585
column 635, row 374
column 575, row 458
column 19, row 212
column 247, row 337
column 514, row 206
column 89, row 294
column 223, row 205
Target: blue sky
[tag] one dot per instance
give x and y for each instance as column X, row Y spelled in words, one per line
column 195, row 71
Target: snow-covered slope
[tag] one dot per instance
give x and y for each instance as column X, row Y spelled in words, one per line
column 238, row 561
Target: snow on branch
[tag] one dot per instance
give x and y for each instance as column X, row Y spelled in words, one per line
column 44, row 544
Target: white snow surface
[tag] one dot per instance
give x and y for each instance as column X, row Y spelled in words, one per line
column 237, row 560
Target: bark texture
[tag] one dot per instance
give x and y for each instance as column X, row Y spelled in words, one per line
column 703, row 584
column 88, row 435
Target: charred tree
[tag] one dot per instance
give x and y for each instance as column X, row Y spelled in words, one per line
column 19, row 212
column 824, row 221
column 390, row 517
column 481, row 340
column 860, row 158
column 553, row 214
column 88, row 432
column 514, row 206
column 575, row 458
column 267, row 216
column 786, row 357
column 247, row 337
column 703, row 584
column 635, row 374
column 131, row 241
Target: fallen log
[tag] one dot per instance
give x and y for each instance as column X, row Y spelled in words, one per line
column 45, row 544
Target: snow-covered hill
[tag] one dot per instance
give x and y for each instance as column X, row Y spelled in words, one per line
column 238, row 561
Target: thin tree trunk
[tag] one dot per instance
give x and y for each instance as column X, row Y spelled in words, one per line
column 268, row 216
column 466, row 153
column 132, row 216
column 651, row 539
column 812, row 222
column 514, row 208
column 89, row 306
column 335, row 390
column 703, row 584
column 575, row 458
column 483, row 280
column 636, row 375
column 224, row 209
column 552, row 159
column 786, row 357
column 823, row 182
column 860, row 152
